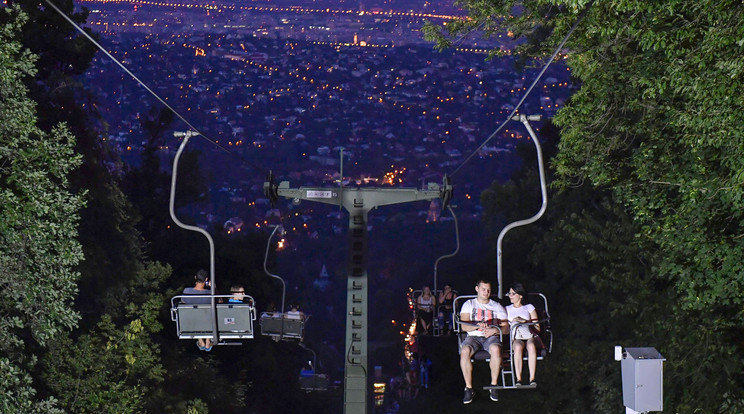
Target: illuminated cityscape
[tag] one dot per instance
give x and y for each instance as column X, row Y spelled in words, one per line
column 296, row 89
column 286, row 87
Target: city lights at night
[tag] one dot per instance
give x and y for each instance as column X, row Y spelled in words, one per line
column 302, row 206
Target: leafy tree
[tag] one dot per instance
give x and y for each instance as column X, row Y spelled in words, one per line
column 111, row 244
column 656, row 127
column 38, row 228
column 114, row 367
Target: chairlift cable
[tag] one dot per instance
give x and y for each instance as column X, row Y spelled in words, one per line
column 527, row 93
column 464, row 35
column 133, row 76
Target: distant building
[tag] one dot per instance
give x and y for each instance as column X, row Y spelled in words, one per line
column 322, row 281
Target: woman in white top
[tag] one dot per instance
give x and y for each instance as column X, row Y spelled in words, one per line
column 295, row 312
column 520, row 312
column 425, row 305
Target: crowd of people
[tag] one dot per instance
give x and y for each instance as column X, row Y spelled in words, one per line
column 415, row 375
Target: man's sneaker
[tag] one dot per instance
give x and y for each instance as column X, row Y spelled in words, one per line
column 494, row 394
column 468, row 396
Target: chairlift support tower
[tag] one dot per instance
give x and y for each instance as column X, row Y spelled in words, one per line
column 358, row 202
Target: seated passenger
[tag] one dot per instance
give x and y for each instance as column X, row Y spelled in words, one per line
column 307, row 370
column 487, row 321
column 201, row 281
column 446, row 300
column 519, row 312
column 425, row 305
column 295, row 313
column 238, row 294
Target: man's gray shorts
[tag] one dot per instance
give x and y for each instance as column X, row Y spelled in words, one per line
column 481, row 342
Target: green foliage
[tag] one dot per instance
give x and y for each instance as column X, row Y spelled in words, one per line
column 655, row 128
column 38, row 228
column 114, row 367
column 197, row 406
column 111, row 244
column 17, row 394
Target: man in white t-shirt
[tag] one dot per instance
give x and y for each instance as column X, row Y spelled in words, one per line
column 484, row 317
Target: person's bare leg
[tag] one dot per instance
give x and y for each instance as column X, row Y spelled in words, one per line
column 466, row 365
column 518, row 353
column 495, row 364
column 532, row 358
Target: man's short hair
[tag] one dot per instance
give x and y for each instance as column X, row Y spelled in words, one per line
column 482, row 281
column 202, row 276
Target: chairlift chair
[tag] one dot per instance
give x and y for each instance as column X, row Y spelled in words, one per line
column 194, row 320
column 437, row 330
column 413, row 295
column 544, row 340
column 205, row 317
column 280, row 325
column 309, row 379
column 508, row 375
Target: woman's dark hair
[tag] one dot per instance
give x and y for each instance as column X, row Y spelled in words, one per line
column 518, row 288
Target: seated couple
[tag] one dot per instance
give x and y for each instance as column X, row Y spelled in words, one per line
column 485, row 322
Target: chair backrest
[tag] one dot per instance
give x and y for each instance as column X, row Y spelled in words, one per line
column 540, row 302
column 194, row 320
column 281, row 326
column 314, row 382
column 416, row 293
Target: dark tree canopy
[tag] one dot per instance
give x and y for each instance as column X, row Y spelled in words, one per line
column 656, row 127
column 39, row 215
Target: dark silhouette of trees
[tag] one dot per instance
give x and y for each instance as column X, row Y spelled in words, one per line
column 650, row 167
column 39, row 215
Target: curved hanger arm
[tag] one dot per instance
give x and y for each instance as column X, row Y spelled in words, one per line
column 266, row 270
column 186, row 136
column 446, row 256
column 543, row 189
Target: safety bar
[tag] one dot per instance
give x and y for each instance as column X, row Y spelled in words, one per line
column 177, row 300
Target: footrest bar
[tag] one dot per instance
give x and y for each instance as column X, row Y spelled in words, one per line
column 509, row 387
